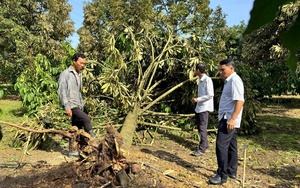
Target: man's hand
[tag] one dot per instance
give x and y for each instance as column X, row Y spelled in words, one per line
column 69, row 112
column 195, row 100
column 230, row 124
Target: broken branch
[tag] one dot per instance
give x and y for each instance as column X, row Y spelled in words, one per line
column 63, row 133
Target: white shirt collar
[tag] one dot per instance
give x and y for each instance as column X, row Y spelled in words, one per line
column 203, row 77
column 229, row 77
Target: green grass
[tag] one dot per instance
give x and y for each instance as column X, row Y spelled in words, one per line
column 11, row 111
column 280, row 125
column 280, row 133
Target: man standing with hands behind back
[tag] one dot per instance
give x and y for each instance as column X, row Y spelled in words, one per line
column 205, row 104
column 70, row 84
column 229, row 116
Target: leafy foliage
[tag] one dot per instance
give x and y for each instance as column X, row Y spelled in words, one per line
column 29, row 28
column 143, row 50
column 252, row 106
column 264, row 12
column 265, row 55
column 37, row 85
column 1, row 93
column 141, row 54
column 147, row 48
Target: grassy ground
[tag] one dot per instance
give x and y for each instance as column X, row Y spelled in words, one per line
column 10, row 111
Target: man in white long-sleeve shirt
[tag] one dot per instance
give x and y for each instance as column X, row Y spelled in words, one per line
column 205, row 104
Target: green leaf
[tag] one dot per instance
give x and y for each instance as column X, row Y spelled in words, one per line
column 263, row 12
column 30, row 97
column 168, row 110
column 105, row 87
column 1, row 93
column 291, row 41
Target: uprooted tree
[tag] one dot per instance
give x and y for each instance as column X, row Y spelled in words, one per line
column 147, row 51
column 139, row 56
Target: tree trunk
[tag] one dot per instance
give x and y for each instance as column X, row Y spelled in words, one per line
column 128, row 128
column 130, row 124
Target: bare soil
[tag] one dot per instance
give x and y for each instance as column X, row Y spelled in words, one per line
column 166, row 163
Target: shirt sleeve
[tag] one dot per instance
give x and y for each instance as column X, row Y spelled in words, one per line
column 209, row 91
column 237, row 90
column 62, row 91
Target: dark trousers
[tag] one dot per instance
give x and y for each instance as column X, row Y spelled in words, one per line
column 201, row 122
column 226, row 149
column 81, row 119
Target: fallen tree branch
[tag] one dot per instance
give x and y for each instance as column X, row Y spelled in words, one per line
column 105, row 185
column 167, row 114
column 160, row 126
column 171, row 128
column 63, row 133
column 173, row 115
column 25, row 149
column 165, row 94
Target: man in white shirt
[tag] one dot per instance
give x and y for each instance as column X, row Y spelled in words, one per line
column 229, row 116
column 205, row 104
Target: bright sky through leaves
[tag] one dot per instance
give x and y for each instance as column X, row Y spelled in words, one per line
column 236, row 11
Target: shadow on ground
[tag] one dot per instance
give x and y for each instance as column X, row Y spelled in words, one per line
column 279, row 133
column 175, row 159
column 286, row 175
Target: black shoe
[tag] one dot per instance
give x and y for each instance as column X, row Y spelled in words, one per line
column 197, row 153
column 217, row 180
column 232, row 176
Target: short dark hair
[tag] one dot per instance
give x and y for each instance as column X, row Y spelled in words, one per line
column 78, row 55
column 201, row 67
column 227, row 62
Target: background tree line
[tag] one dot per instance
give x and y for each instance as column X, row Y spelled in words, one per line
column 141, row 57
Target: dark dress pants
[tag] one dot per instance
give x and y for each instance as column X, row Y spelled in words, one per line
column 226, row 149
column 201, row 122
column 81, row 119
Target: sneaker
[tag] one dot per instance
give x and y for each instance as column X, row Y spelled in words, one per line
column 73, row 154
column 197, row 153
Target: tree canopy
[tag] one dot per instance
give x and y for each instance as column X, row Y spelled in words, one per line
column 268, row 11
column 29, row 28
column 266, row 54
